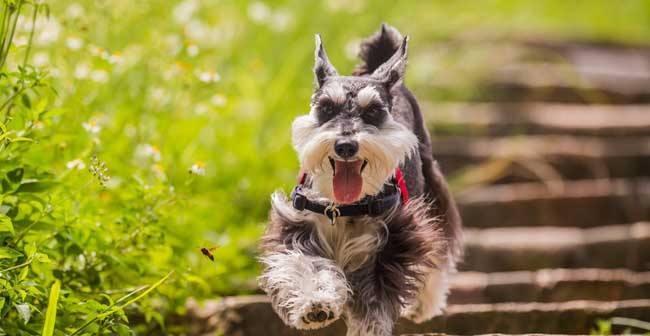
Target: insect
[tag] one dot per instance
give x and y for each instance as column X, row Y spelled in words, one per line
column 207, row 251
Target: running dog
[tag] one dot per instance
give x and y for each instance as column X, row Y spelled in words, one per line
column 370, row 233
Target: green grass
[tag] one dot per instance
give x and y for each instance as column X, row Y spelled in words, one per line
column 126, row 79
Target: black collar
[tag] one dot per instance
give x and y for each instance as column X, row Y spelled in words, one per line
column 369, row 206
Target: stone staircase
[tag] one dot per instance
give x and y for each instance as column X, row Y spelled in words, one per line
column 555, row 199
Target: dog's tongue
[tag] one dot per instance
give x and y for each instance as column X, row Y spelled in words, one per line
column 347, row 181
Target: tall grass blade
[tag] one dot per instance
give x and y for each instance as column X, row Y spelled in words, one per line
column 50, row 316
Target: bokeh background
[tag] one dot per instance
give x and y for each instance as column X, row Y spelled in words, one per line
column 163, row 126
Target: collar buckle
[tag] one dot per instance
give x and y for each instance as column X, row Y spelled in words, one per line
column 299, row 199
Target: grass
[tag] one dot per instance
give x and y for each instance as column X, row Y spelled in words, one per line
column 181, row 112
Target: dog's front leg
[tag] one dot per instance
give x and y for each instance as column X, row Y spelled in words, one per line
column 370, row 313
column 307, row 292
column 374, row 308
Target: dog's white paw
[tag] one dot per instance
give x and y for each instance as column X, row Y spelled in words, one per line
column 316, row 315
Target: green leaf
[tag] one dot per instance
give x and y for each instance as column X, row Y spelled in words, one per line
column 9, row 253
column 121, row 329
column 112, row 309
column 26, row 101
column 35, row 186
column 24, row 312
column 21, row 139
column 42, row 258
column 6, row 225
column 16, row 175
column 50, row 314
column 30, row 249
column 23, row 273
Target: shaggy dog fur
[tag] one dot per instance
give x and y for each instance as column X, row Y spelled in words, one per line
column 366, row 270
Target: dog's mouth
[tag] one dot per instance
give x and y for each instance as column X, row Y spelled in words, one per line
column 347, row 180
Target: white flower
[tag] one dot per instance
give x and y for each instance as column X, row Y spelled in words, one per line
column 352, row 48
column 77, row 164
column 74, row 43
column 40, row 59
column 173, row 44
column 207, row 35
column 201, row 109
column 20, row 41
column 198, row 168
column 259, row 12
column 91, row 126
column 99, row 76
column 192, row 50
column 218, row 100
column 208, row 76
column 48, row 31
column 345, row 5
column 158, row 94
column 184, row 11
column 196, row 30
column 114, row 58
column 74, row 11
column 159, row 171
column 147, row 151
column 96, row 51
column 81, row 71
column 281, row 20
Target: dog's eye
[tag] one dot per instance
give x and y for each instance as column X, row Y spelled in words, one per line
column 327, row 109
column 373, row 114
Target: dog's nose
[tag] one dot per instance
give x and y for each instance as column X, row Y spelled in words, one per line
column 346, row 148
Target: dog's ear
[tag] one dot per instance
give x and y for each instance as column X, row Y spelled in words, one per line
column 393, row 70
column 322, row 66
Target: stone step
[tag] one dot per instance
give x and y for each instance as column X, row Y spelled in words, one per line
column 575, row 72
column 549, row 285
column 585, row 203
column 573, row 317
column 523, row 69
column 534, row 248
column 496, row 119
column 253, row 316
column 541, row 157
column 567, row 83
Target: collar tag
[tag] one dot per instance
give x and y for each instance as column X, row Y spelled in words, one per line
column 332, row 212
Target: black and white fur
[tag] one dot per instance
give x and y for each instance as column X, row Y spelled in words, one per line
column 367, row 270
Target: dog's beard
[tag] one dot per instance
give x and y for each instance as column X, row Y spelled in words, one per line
column 381, row 151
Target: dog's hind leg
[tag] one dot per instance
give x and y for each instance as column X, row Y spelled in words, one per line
column 431, row 299
column 307, row 292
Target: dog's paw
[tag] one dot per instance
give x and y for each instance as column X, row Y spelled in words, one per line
column 419, row 313
column 316, row 315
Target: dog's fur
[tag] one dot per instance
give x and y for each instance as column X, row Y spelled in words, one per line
column 367, row 270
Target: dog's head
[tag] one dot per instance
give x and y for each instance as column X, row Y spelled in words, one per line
column 349, row 142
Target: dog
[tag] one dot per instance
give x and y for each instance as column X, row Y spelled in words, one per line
column 370, row 233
